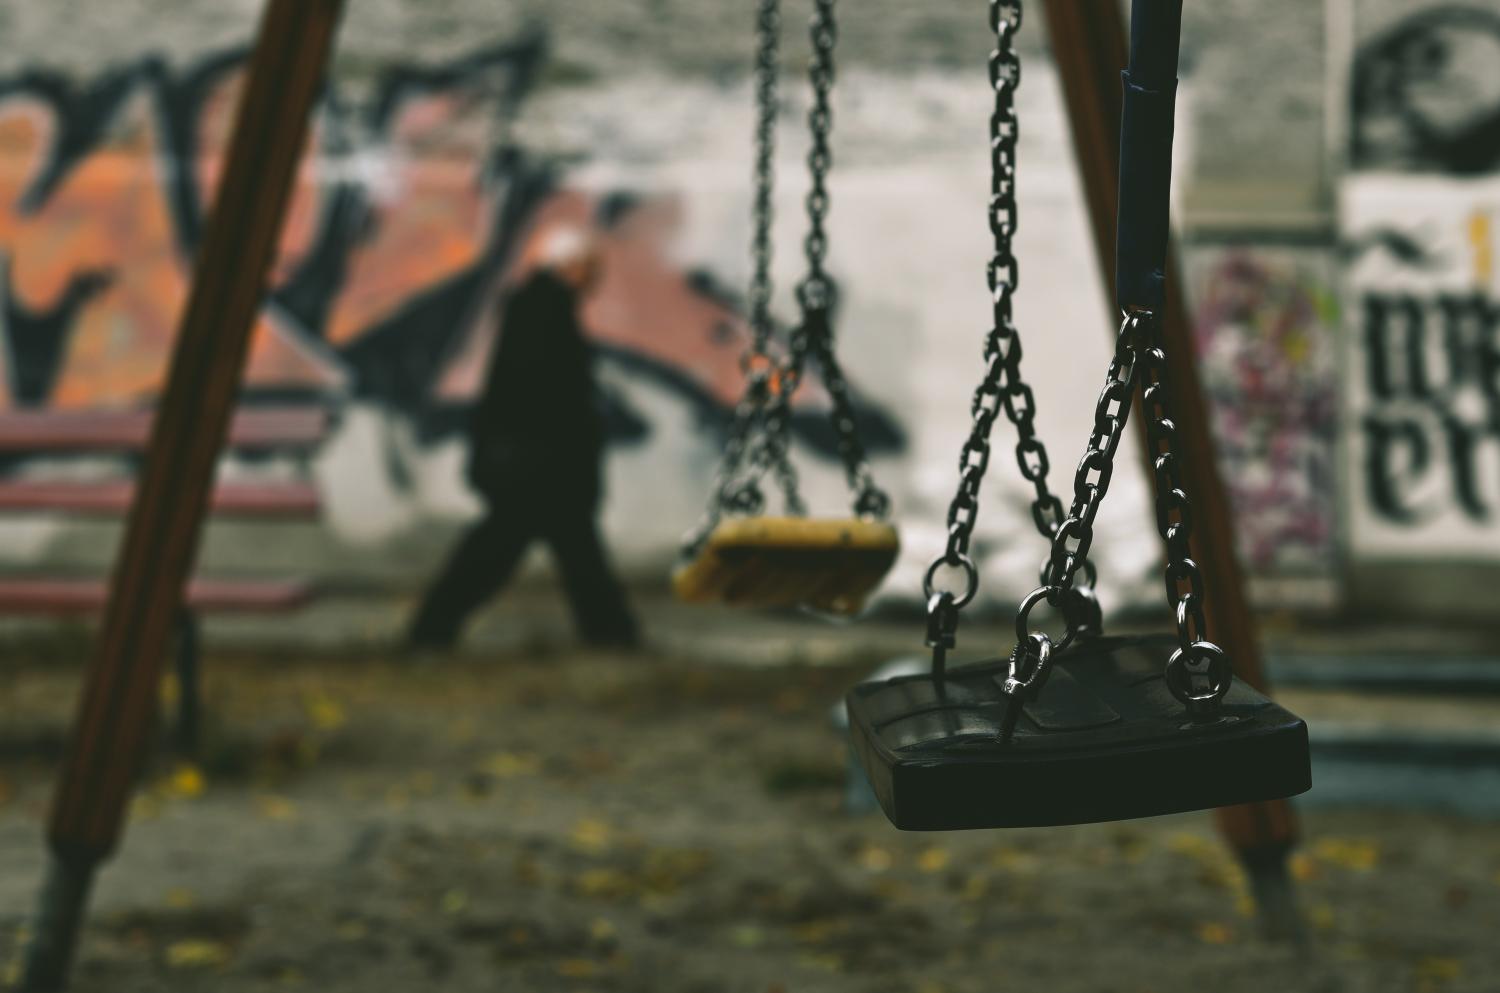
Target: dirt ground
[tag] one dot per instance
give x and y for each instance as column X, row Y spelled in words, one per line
column 546, row 820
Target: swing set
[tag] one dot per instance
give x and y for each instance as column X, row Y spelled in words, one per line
column 1070, row 726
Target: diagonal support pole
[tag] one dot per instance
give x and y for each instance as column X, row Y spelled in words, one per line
column 1089, row 46
column 112, row 729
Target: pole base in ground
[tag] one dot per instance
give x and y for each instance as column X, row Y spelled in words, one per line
column 65, row 894
column 1275, row 894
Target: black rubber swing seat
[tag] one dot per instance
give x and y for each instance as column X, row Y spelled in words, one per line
column 1103, row 740
column 825, row 563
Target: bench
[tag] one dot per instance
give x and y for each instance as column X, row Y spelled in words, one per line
column 112, row 498
column 51, row 433
column 257, row 429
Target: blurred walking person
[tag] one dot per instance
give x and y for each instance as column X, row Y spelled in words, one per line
column 537, row 441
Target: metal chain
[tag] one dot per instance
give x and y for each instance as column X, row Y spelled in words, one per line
column 757, row 434
column 1002, row 387
column 767, row 70
column 1074, row 537
column 1198, row 673
column 768, row 450
column 817, row 294
column 816, row 289
column 771, row 384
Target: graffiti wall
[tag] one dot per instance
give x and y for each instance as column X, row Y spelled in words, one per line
column 1421, row 391
column 413, row 213
column 1266, row 326
column 1417, row 216
column 418, row 206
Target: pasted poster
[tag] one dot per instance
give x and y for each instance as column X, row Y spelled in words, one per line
column 1422, row 366
column 1266, row 319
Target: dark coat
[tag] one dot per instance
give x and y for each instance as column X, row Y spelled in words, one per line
column 536, row 426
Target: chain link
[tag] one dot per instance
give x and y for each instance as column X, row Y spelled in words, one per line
column 1198, row 673
column 817, row 294
column 756, row 440
column 762, row 211
column 1075, row 536
column 1002, row 388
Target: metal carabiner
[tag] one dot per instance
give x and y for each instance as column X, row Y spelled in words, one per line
column 1030, row 664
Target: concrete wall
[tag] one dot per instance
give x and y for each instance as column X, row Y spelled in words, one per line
column 637, row 119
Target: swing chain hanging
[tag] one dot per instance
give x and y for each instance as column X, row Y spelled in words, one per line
column 1198, row 672
column 765, row 377
column 767, row 59
column 760, row 431
column 1075, row 536
column 817, row 293
column 1002, row 387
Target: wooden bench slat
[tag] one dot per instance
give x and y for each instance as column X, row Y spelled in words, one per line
column 70, row 596
column 255, row 428
column 280, row 500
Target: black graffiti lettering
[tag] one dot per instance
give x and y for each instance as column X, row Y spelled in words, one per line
column 1394, row 347
column 1464, row 446
column 1397, row 455
column 1471, row 323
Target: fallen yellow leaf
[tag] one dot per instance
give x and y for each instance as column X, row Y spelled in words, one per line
column 1440, row 968
column 325, row 713
column 185, row 781
column 509, row 765
column 1348, row 853
column 1320, row 915
column 591, row 835
column 1304, row 868
column 874, row 858
column 197, row 954
column 933, row 860
column 275, row 808
column 180, row 898
column 607, row 884
column 1214, row 933
column 1192, row 845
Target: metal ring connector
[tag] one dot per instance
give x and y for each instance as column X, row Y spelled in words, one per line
column 1199, row 676
column 971, row 578
column 1051, row 594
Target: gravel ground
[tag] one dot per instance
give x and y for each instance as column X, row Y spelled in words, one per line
column 538, row 819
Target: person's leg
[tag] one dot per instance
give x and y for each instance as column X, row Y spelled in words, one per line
column 483, row 561
column 598, row 600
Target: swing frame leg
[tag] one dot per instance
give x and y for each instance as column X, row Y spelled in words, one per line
column 117, row 707
column 1089, row 42
column 60, row 913
column 1277, row 910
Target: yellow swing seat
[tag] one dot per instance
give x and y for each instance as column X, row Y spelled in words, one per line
column 829, row 564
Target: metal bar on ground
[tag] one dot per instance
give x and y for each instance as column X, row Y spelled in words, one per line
column 1089, row 44
column 112, row 729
